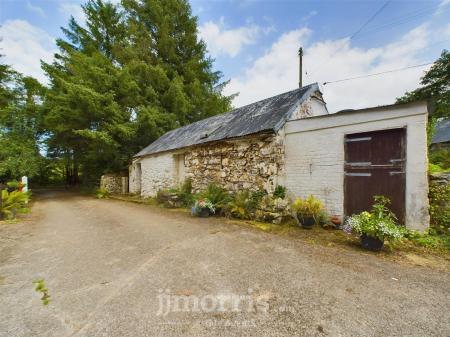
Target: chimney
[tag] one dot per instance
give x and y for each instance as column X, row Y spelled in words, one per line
column 300, row 55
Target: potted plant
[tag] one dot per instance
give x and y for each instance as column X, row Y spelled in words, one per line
column 309, row 211
column 336, row 220
column 375, row 227
column 203, row 208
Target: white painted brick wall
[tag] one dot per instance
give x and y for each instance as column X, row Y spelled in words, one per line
column 314, row 157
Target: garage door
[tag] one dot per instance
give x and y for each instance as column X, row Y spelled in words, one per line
column 375, row 165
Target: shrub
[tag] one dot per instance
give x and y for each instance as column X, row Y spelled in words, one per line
column 441, row 158
column 272, row 209
column 185, row 193
column 280, row 192
column 14, row 202
column 218, row 196
column 242, row 205
column 14, row 185
column 174, row 197
column 163, row 197
column 379, row 223
column 102, row 193
column 439, row 196
column 309, row 207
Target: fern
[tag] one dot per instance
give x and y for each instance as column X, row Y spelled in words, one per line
column 14, row 202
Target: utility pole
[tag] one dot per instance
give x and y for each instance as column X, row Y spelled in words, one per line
column 300, row 70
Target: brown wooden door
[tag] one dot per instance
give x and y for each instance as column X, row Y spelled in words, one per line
column 375, row 165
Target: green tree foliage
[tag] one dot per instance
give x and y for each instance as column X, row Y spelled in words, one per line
column 20, row 125
column 121, row 80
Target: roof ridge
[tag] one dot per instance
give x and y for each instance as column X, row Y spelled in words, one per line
column 272, row 97
column 241, row 107
column 234, row 123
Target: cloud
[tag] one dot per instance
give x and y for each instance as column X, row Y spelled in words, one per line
column 274, row 72
column 442, row 5
column 72, row 9
column 36, row 9
column 277, row 70
column 24, row 45
column 228, row 41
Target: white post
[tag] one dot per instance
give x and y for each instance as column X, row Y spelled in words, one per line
column 25, row 184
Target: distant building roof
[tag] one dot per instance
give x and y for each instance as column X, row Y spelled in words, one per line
column 268, row 115
column 442, row 132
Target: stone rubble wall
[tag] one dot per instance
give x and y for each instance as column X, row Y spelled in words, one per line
column 113, row 183
column 251, row 163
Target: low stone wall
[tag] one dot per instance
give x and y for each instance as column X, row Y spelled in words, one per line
column 251, row 163
column 114, row 183
column 439, row 178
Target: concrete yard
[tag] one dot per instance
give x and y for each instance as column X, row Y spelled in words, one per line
column 108, row 264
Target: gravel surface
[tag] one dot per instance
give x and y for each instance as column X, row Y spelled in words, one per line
column 114, row 268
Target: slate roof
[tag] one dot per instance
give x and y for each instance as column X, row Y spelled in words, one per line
column 442, row 132
column 268, row 115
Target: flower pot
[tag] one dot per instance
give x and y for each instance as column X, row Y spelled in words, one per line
column 307, row 222
column 204, row 213
column 371, row 243
column 336, row 220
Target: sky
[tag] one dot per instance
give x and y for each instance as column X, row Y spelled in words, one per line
column 255, row 43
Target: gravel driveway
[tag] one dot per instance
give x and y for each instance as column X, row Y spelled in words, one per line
column 120, row 269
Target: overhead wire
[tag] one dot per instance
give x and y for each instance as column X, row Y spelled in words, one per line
column 377, row 74
column 363, row 26
column 397, row 21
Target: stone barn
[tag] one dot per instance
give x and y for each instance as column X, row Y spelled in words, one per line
column 290, row 139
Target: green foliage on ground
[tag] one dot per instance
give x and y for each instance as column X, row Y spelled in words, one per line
column 185, row 193
column 218, row 196
column 430, row 239
column 13, row 203
column 41, row 288
column 102, row 193
column 180, row 196
column 241, row 205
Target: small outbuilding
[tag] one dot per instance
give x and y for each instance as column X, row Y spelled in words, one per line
column 344, row 158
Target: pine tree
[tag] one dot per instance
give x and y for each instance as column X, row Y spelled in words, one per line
column 120, row 81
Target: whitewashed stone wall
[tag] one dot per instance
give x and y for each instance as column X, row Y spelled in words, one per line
column 315, row 157
column 134, row 178
column 313, row 106
column 157, row 172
